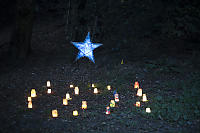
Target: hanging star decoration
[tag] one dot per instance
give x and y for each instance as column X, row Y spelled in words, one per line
column 86, row 48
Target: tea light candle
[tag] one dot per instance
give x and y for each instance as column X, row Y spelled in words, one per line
column 65, row 102
column 75, row 113
column 116, row 97
column 84, row 105
column 109, row 87
column 33, row 93
column 29, row 99
column 95, row 90
column 76, row 90
column 30, row 105
column 54, row 113
column 48, row 84
column 137, row 104
column 93, row 85
column 71, row 86
column 112, row 103
column 68, row 96
column 107, row 110
column 49, row 91
column 148, row 110
column 136, row 85
column 139, row 92
column 144, row 98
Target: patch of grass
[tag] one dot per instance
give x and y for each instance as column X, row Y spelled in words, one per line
column 181, row 108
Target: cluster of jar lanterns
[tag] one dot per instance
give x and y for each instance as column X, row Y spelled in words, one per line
column 112, row 103
column 140, row 94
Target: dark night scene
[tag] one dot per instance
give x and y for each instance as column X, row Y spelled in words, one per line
column 99, row 66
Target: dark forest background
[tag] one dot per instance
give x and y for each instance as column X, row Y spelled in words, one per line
column 157, row 40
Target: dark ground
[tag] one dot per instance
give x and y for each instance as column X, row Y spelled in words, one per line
column 168, row 75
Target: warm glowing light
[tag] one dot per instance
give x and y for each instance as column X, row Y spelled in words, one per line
column 30, row 105
column 29, row 99
column 137, row 104
column 48, row 84
column 54, row 113
column 107, row 110
column 75, row 113
column 65, row 102
column 95, row 90
column 112, row 103
column 68, row 96
column 33, row 93
column 76, row 90
column 116, row 97
column 49, row 91
column 144, row 98
column 109, row 87
column 93, row 85
column 136, row 85
column 148, row 110
column 71, row 86
column 84, row 105
column 139, row 92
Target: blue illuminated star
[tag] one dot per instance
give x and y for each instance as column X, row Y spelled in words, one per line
column 86, row 48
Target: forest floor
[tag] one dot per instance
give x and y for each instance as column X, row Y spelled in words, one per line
column 172, row 85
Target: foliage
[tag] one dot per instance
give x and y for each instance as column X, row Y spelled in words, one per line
column 180, row 108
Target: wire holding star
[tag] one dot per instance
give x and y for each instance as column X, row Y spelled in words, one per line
column 86, row 48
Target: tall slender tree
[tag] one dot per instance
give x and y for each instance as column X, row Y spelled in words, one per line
column 20, row 44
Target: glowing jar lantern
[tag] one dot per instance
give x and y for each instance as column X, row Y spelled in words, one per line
column 139, row 92
column 116, row 97
column 93, row 85
column 65, row 102
column 136, row 85
column 29, row 99
column 148, row 110
column 68, row 96
column 144, row 98
column 84, row 104
column 49, row 90
column 71, row 86
column 109, row 87
column 137, row 104
column 30, row 105
column 54, row 113
column 48, row 84
column 33, row 93
column 75, row 113
column 76, row 90
column 95, row 90
column 112, row 103
column 107, row 110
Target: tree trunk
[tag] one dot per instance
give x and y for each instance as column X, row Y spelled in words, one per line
column 20, row 45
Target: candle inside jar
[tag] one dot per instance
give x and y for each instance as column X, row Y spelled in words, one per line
column 33, row 93
column 30, row 105
column 75, row 113
column 95, row 90
column 65, row 102
column 76, row 90
column 137, row 104
column 54, row 113
column 48, row 84
column 93, row 85
column 71, row 86
column 144, row 98
column 148, row 110
column 84, row 105
column 49, row 91
column 109, row 87
column 29, row 99
column 68, row 96
column 139, row 92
